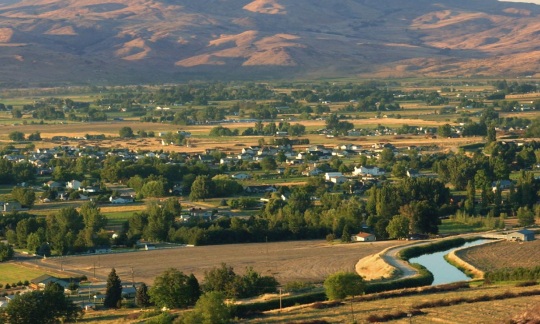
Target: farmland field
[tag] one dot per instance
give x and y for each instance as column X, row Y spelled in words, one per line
column 309, row 261
column 503, row 254
column 11, row 272
column 499, row 311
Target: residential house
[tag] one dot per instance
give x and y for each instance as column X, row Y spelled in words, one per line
column 338, row 179
column 41, row 281
column 73, row 184
column 412, row 173
column 330, row 175
column 260, row 189
column 363, row 237
column 503, row 184
column 8, row 207
column 311, row 172
column 121, row 200
column 53, row 185
column 368, row 171
column 241, row 176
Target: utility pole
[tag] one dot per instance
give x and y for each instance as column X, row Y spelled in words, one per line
column 280, row 305
column 94, row 269
column 132, row 278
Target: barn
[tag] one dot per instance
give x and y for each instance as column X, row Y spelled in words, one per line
column 523, row 235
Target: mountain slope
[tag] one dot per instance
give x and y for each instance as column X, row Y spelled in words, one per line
column 131, row 41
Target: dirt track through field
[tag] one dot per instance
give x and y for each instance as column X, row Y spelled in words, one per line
column 310, row 261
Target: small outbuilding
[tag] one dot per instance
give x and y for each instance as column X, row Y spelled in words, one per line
column 363, row 237
column 523, row 235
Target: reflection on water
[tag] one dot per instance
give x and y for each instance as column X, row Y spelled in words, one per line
column 443, row 272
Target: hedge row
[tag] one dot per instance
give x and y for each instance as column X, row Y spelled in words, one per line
column 414, row 291
column 425, row 278
column 508, row 274
column 245, row 310
column 415, row 251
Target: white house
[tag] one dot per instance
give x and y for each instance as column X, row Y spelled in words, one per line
column 330, row 175
column 363, row 237
column 368, row 170
column 241, row 176
column 73, row 184
column 121, row 200
column 338, row 179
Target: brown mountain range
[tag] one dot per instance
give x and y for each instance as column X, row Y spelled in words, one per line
column 135, row 41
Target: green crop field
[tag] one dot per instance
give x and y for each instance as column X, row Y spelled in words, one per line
column 12, row 273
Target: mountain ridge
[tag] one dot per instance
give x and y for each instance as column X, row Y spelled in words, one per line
column 137, row 41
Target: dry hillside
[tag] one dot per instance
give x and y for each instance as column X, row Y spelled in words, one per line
column 108, row 41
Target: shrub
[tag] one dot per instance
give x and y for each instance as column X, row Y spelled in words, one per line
column 324, row 305
column 296, row 286
column 527, row 283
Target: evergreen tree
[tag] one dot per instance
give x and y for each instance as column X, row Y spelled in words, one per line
column 113, row 293
column 194, row 289
column 491, row 134
column 142, row 299
column 346, row 236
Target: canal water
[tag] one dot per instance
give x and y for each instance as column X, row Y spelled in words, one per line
column 443, row 272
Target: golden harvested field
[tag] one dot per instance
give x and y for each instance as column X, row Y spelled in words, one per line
column 503, row 254
column 201, row 141
column 499, row 311
column 309, row 261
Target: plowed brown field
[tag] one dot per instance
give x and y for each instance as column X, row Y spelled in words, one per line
column 309, row 261
column 502, row 254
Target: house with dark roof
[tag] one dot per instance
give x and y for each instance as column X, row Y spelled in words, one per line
column 41, row 281
column 523, row 235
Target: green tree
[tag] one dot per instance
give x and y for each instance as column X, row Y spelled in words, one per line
column 469, row 202
column 268, row 163
column 525, row 216
column 346, row 235
column 154, row 188
column 36, row 136
column 172, row 289
column 491, row 134
column 47, row 306
column 200, row 189
column 444, row 130
column 194, row 289
column 6, row 252
column 399, row 169
column 16, row 136
column 210, row 309
column 113, row 291
column 343, row 284
column 220, row 279
column 160, row 221
column 93, row 220
column 142, row 299
column 398, row 227
column 126, row 132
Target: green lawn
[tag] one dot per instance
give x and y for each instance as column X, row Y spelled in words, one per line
column 449, row 226
column 12, row 273
column 118, row 218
